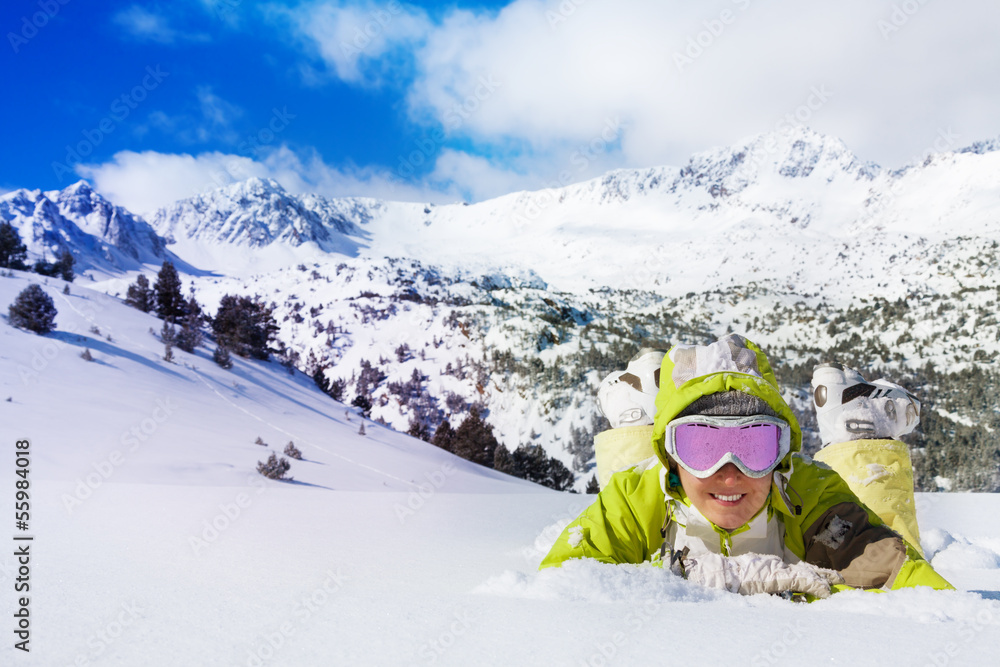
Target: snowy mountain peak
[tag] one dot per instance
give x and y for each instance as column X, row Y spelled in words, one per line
column 256, row 187
column 259, row 213
column 99, row 234
column 81, row 187
column 790, row 152
column 769, row 157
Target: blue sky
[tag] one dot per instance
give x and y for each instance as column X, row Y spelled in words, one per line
column 155, row 101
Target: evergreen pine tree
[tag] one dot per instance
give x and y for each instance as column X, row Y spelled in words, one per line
column 593, row 486
column 140, row 294
column 558, row 476
column 169, row 299
column 319, row 377
column 503, row 461
column 532, row 462
column 12, row 251
column 190, row 336
column 419, row 429
column 45, row 268
column 168, row 333
column 274, row 468
column 474, row 440
column 64, row 266
column 581, row 446
column 362, row 403
column 444, row 436
column 33, row 310
column 337, row 389
column 221, row 357
column 246, row 326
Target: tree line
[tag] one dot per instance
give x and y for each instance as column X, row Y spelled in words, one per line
column 242, row 325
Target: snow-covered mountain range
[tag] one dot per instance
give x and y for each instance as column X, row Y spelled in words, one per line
column 789, row 207
column 782, row 208
column 523, row 302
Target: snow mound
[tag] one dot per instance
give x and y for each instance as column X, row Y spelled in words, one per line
column 592, row 581
column 958, row 553
column 934, row 541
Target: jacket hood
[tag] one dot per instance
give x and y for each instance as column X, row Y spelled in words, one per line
column 689, row 372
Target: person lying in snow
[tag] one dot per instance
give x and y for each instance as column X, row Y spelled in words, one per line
column 725, row 498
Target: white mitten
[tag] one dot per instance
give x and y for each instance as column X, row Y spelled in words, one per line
column 628, row 397
column 752, row 574
column 850, row 408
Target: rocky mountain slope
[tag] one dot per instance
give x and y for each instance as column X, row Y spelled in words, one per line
column 104, row 239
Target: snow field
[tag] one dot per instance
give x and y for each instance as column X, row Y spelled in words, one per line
column 307, row 576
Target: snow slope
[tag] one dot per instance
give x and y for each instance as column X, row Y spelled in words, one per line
column 383, row 551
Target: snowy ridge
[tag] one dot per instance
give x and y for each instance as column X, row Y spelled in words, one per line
column 794, row 153
column 258, row 212
column 792, row 200
column 102, row 237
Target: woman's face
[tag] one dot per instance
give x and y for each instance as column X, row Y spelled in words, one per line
column 728, row 498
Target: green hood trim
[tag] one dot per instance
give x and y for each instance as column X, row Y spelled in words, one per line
column 689, row 372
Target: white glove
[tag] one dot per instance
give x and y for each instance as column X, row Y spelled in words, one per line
column 628, row 397
column 751, row 574
column 850, row 408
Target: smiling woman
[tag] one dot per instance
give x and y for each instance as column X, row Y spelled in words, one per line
column 727, row 500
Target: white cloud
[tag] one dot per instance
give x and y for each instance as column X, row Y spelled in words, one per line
column 214, row 109
column 684, row 76
column 145, row 25
column 143, row 182
column 358, row 40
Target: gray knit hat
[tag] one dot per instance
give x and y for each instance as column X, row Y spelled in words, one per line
column 729, row 404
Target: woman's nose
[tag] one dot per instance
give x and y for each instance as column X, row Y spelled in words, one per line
column 729, row 474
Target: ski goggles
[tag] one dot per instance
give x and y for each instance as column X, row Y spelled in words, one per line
column 702, row 444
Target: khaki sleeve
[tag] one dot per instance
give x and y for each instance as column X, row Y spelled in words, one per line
column 866, row 555
column 880, row 474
